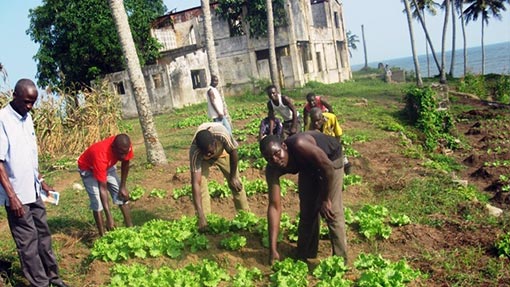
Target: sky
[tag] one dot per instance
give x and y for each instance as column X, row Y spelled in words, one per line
column 386, row 33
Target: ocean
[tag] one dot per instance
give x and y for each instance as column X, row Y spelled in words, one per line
column 497, row 61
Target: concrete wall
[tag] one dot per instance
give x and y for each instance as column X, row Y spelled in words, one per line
column 313, row 25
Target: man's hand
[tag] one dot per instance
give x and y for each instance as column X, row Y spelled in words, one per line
column 326, row 210
column 273, row 257
column 46, row 187
column 124, row 194
column 16, row 206
column 235, row 184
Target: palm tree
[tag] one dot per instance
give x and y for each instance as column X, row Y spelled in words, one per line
column 273, row 68
column 364, row 47
column 155, row 153
column 419, row 81
column 424, row 5
column 211, row 50
column 442, row 77
column 458, row 4
column 352, row 39
column 425, row 30
column 454, row 35
column 484, row 9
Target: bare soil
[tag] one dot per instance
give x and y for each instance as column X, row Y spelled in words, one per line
column 381, row 165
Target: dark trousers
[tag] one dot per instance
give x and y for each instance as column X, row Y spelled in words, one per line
column 309, row 185
column 33, row 241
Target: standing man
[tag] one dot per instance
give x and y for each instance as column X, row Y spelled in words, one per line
column 216, row 106
column 20, row 190
column 99, row 175
column 285, row 108
column 213, row 145
column 318, row 160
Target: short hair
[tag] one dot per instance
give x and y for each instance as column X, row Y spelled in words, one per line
column 267, row 141
column 204, row 139
column 271, row 87
column 315, row 112
column 23, row 85
column 122, row 140
column 309, row 96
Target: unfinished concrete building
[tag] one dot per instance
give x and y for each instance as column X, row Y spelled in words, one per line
column 311, row 47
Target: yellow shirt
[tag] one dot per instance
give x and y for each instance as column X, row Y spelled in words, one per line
column 331, row 127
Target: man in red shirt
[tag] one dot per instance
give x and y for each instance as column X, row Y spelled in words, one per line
column 98, row 172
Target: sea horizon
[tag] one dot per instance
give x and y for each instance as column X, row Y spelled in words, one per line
column 497, row 61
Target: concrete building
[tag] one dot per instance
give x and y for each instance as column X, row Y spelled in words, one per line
column 311, row 47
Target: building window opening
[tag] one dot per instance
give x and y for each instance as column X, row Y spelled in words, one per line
column 119, row 88
column 198, row 79
column 158, row 80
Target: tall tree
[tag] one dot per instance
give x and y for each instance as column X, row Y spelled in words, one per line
column 484, row 9
column 364, row 46
column 78, row 42
column 211, row 49
column 424, row 6
column 352, row 39
column 155, row 152
column 459, row 5
column 427, row 35
column 273, row 68
column 419, row 81
column 454, row 37
column 442, row 75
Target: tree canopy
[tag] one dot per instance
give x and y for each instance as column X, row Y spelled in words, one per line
column 78, row 41
column 255, row 18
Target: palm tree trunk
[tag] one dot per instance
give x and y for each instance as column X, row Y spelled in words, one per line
column 442, row 78
column 364, row 46
column 155, row 152
column 426, row 49
column 419, row 81
column 463, row 25
column 273, row 68
column 425, row 30
column 454, row 35
column 483, row 47
column 211, row 52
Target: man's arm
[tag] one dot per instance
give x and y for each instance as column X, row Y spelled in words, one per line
column 124, row 171
column 234, row 179
column 288, row 102
column 274, row 211
column 196, row 181
column 327, row 105
column 212, row 98
column 15, row 204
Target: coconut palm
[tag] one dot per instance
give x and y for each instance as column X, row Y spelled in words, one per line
column 459, row 6
column 446, row 6
column 352, row 39
column 419, row 81
column 484, row 9
column 209, row 38
column 427, row 35
column 424, row 6
column 273, row 68
column 155, row 153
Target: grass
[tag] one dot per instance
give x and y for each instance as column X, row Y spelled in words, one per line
column 432, row 199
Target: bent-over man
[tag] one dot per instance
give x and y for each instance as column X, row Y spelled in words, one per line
column 318, row 160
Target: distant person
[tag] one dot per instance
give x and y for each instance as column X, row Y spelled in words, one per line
column 20, row 189
column 327, row 123
column 285, row 108
column 216, row 106
column 99, row 175
column 268, row 127
column 318, row 160
column 214, row 145
column 313, row 101
column 387, row 74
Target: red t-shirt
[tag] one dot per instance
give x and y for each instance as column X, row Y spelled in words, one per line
column 99, row 157
column 319, row 104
